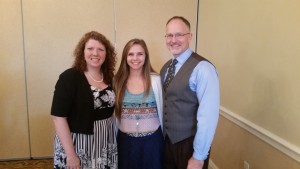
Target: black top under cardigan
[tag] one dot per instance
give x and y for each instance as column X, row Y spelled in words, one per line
column 73, row 99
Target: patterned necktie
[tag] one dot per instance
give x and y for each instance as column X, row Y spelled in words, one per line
column 171, row 74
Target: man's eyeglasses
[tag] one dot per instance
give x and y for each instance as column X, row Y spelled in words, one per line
column 177, row 35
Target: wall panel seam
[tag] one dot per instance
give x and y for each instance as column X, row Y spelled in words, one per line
column 25, row 75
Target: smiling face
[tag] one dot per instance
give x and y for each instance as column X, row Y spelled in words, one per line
column 94, row 54
column 136, row 57
column 177, row 44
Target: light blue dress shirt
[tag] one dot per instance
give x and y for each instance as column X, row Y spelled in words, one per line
column 204, row 81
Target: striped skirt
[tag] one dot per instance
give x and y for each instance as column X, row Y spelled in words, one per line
column 97, row 151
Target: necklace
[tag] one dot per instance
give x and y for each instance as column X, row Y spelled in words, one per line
column 98, row 81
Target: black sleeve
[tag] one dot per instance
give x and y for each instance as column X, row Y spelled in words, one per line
column 63, row 95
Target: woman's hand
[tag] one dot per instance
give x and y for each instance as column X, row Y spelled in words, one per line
column 63, row 131
column 73, row 162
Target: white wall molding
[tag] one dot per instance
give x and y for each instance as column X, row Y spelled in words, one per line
column 265, row 135
column 212, row 165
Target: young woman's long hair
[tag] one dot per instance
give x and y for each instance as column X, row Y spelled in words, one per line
column 122, row 75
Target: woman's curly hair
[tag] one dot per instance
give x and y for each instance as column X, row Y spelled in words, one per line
column 108, row 67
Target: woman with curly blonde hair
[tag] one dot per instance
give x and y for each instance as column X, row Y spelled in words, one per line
column 82, row 107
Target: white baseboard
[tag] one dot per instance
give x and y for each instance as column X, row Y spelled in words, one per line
column 265, row 135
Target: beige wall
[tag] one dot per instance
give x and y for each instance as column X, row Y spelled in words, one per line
column 255, row 46
column 233, row 145
column 14, row 139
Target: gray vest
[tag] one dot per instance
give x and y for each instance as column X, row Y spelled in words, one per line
column 180, row 102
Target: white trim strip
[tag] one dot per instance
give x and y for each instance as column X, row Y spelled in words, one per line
column 277, row 142
column 212, row 165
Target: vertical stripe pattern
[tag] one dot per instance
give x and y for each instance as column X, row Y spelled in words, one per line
column 94, row 151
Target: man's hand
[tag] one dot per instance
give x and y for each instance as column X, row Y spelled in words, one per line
column 195, row 164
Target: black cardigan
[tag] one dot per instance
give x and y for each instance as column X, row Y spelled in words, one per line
column 73, row 99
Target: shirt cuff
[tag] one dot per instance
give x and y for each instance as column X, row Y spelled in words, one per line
column 199, row 157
